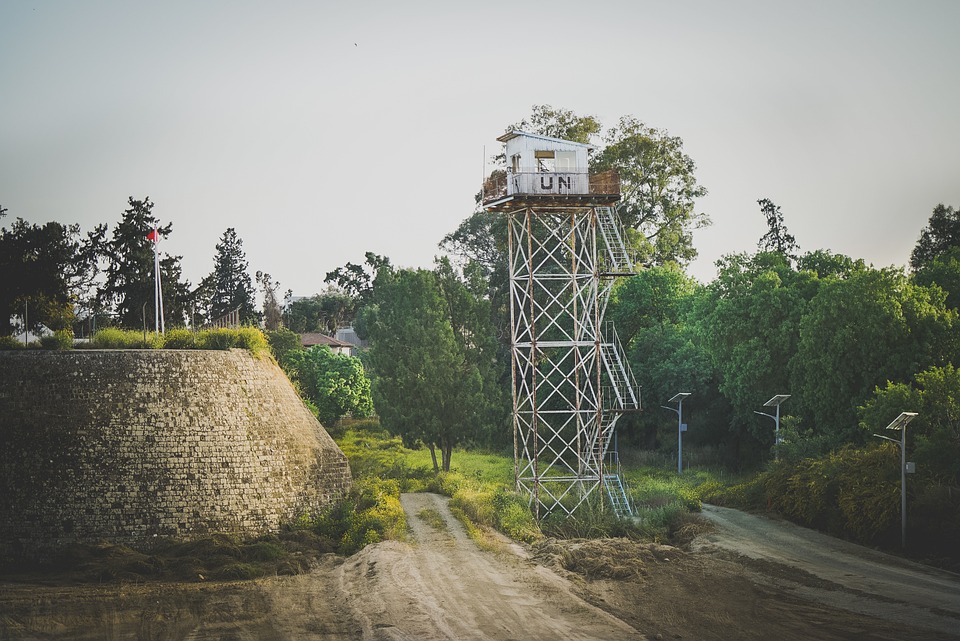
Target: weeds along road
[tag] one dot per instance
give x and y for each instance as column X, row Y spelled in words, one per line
column 839, row 573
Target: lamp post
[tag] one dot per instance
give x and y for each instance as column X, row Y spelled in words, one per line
column 678, row 399
column 900, row 423
column 775, row 402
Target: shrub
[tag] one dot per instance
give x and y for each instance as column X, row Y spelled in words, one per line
column 180, row 338
column 252, row 340
column 216, row 339
column 283, row 341
column 491, row 506
column 60, row 339
column 9, row 343
column 113, row 338
column 371, row 513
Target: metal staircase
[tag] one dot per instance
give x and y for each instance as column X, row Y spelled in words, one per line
column 622, row 383
column 616, row 492
column 618, row 260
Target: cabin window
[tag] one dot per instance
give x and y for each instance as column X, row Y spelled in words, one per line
column 546, row 161
column 515, row 163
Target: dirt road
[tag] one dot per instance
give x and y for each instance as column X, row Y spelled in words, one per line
column 845, row 575
column 443, row 586
column 440, row 585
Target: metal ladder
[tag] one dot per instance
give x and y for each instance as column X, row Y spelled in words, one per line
column 618, row 370
column 620, row 260
column 616, row 492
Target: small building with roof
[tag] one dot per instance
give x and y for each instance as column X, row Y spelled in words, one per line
column 336, row 346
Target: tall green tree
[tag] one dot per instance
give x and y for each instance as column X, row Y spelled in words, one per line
column 468, row 309
column 934, row 437
column 777, row 239
column 44, row 269
column 560, row 123
column 229, row 284
column 425, row 388
column 751, row 326
column 128, row 289
column 940, row 235
column 658, row 189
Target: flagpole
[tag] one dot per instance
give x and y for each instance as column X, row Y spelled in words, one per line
column 156, row 287
column 160, row 289
column 158, row 321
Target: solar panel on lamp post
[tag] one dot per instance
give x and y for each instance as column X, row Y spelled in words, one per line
column 900, row 423
column 678, row 399
column 775, row 402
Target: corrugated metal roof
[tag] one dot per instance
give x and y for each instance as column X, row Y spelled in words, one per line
column 515, row 133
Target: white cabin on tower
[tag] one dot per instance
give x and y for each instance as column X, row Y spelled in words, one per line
column 545, row 167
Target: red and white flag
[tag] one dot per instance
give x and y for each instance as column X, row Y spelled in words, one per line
column 154, row 236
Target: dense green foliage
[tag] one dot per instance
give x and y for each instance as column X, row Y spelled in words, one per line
column 335, row 384
column 827, row 330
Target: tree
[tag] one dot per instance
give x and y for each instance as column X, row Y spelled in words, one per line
column 859, row 332
column 653, row 315
column 323, row 313
column 940, row 235
column 335, row 383
column 230, row 285
column 559, row 123
column 751, row 327
column 658, row 189
column 777, row 239
column 944, row 272
column 357, row 280
column 283, row 343
column 272, row 314
column 468, row 309
column 425, row 388
column 44, row 268
column 128, row 289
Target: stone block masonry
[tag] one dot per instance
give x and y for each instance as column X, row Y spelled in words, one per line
column 134, row 446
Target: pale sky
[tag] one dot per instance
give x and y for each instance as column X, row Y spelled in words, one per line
column 321, row 130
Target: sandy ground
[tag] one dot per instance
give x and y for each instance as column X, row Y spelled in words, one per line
column 737, row 582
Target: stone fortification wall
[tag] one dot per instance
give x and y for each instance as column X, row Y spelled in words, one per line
column 131, row 446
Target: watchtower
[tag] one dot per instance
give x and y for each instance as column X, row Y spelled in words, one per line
column 571, row 379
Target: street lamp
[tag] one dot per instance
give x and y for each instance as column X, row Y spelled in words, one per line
column 681, row 428
column 775, row 402
column 900, row 423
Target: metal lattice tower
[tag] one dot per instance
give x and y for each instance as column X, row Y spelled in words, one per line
column 571, row 380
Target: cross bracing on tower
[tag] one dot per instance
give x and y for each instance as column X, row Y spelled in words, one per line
column 571, row 379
